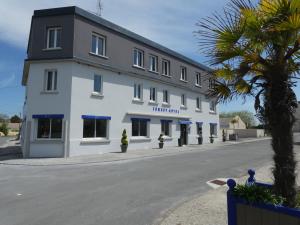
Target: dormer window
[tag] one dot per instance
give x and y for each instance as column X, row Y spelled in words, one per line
column 54, row 38
column 98, row 45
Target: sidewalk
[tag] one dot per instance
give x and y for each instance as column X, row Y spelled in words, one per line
column 117, row 156
column 211, row 208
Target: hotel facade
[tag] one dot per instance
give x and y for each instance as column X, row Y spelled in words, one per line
column 87, row 79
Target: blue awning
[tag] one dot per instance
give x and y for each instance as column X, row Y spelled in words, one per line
column 185, row 122
column 141, row 119
column 96, row 117
column 199, row 123
column 48, row 116
column 167, row 121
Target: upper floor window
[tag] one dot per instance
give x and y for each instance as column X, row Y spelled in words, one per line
column 138, row 92
column 153, row 63
column 152, row 94
column 98, row 44
column 51, row 80
column 198, row 79
column 183, row 75
column 53, row 37
column 49, row 128
column 198, row 103
column 183, row 100
column 98, row 84
column 211, row 83
column 166, row 67
column 212, row 106
column 138, row 58
column 166, row 97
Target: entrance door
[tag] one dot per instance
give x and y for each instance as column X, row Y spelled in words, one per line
column 183, row 133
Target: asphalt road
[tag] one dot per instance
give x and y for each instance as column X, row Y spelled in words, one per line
column 134, row 192
column 4, row 140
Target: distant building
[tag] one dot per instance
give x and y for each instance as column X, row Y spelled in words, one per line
column 232, row 123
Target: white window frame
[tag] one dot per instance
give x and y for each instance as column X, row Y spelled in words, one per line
column 98, row 36
column 166, row 71
column 199, row 104
column 183, row 74
column 151, row 57
column 198, row 81
column 101, row 85
column 183, row 100
column 54, row 80
column 138, row 61
column 95, row 131
column 136, row 94
column 151, row 94
column 139, row 131
column 55, row 29
column 50, row 130
column 212, row 106
column 166, row 93
column 169, row 125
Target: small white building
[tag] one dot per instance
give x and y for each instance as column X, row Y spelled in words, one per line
column 87, row 79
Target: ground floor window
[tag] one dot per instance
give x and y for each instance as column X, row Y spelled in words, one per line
column 213, row 129
column 95, row 127
column 139, row 127
column 49, row 128
column 199, row 129
column 166, row 127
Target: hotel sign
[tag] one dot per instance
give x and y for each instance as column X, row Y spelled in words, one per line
column 158, row 109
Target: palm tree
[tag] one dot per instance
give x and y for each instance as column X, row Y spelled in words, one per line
column 254, row 48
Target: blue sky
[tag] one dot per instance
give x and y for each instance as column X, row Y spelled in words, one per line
column 170, row 23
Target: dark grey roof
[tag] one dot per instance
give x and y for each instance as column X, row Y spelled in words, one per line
column 92, row 17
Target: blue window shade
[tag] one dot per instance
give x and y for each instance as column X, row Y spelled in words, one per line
column 200, row 123
column 142, row 119
column 167, row 121
column 48, row 116
column 185, row 122
column 96, row 117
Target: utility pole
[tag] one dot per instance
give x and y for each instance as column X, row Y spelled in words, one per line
column 99, row 8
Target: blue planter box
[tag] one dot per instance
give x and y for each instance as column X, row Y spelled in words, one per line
column 242, row 213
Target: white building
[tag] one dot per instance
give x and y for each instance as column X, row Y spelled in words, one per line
column 88, row 79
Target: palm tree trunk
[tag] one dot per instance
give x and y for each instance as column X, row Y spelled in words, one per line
column 279, row 116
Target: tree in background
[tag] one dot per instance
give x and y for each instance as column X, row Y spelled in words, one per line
column 247, row 117
column 255, row 48
column 4, row 129
column 15, row 119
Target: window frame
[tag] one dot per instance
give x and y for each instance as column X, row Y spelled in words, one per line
column 151, row 94
column 54, row 80
column 163, row 72
column 212, row 109
column 101, row 85
column 211, row 83
column 183, row 73
column 213, row 129
column 198, row 126
column 151, row 57
column 50, row 129
column 139, row 128
column 95, row 129
column 164, row 124
column 183, row 100
column 98, row 36
column 55, row 29
column 136, row 87
column 199, row 104
column 167, row 96
column 142, row 58
column 198, row 80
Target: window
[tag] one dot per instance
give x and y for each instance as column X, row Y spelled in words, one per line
column 152, row 94
column 165, row 127
column 211, row 83
column 213, row 129
column 183, row 100
column 53, row 37
column 51, row 80
column 138, row 58
column 153, row 63
column 98, row 45
column 138, row 92
column 98, row 84
column 198, row 79
column 198, row 104
column 94, row 128
column 166, row 97
column 199, row 129
column 212, row 106
column 139, row 127
column 49, row 128
column 183, row 75
column 166, row 67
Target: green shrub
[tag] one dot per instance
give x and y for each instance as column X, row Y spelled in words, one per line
column 4, row 129
column 124, row 139
column 257, row 194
